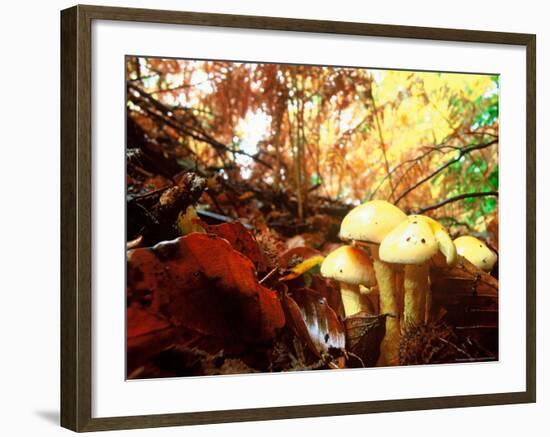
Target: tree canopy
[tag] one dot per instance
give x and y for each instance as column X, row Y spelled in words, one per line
column 425, row 141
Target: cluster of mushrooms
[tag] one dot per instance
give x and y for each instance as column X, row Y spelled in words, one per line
column 389, row 253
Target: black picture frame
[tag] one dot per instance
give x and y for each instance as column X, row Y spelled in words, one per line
column 76, row 217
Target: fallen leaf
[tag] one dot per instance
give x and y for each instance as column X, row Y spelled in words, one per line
column 241, row 239
column 323, row 326
column 201, row 283
column 147, row 334
column 364, row 333
column 296, row 255
column 297, row 324
column 330, row 290
column 303, row 267
column 188, row 222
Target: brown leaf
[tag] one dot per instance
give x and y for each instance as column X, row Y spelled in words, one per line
column 464, row 279
column 364, row 334
column 468, row 299
column 296, row 322
column 323, row 327
column 330, row 290
column 242, row 241
column 147, row 334
column 201, row 283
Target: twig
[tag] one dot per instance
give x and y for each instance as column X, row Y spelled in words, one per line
column 462, row 153
column 178, row 125
column 266, row 277
column 381, row 138
column 453, row 222
column 462, row 351
column 357, row 357
column 413, row 161
column 454, row 199
column 215, row 202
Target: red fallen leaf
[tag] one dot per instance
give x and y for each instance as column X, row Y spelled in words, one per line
column 139, row 322
column 201, row 283
column 146, row 274
column 147, row 334
column 241, row 239
column 323, row 326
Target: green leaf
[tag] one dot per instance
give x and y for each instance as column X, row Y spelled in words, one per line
column 493, row 179
column 489, row 204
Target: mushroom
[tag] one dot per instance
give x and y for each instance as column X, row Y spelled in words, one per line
column 476, row 252
column 447, row 248
column 444, row 241
column 351, row 267
column 413, row 243
column 370, row 223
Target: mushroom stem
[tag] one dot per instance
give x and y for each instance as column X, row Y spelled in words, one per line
column 385, row 276
column 398, row 284
column 351, row 298
column 416, row 285
column 428, row 308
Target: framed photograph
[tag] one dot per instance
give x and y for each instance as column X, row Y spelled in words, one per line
column 268, row 218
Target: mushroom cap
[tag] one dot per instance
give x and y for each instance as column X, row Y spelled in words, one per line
column 411, row 242
column 349, row 264
column 444, row 240
column 371, row 221
column 476, row 251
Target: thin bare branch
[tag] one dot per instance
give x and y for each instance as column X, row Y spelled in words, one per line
column 454, row 199
column 462, row 153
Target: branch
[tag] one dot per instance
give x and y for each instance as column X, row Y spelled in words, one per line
column 462, row 153
column 178, row 125
column 430, row 150
column 454, row 199
column 452, row 222
column 381, row 138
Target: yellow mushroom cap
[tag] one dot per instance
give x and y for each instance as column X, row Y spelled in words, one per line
column 371, row 221
column 444, row 240
column 476, row 252
column 349, row 264
column 411, row 242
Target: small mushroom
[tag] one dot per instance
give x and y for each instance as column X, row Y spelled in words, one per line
column 370, row 223
column 444, row 241
column 413, row 243
column 351, row 267
column 446, row 247
column 476, row 251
